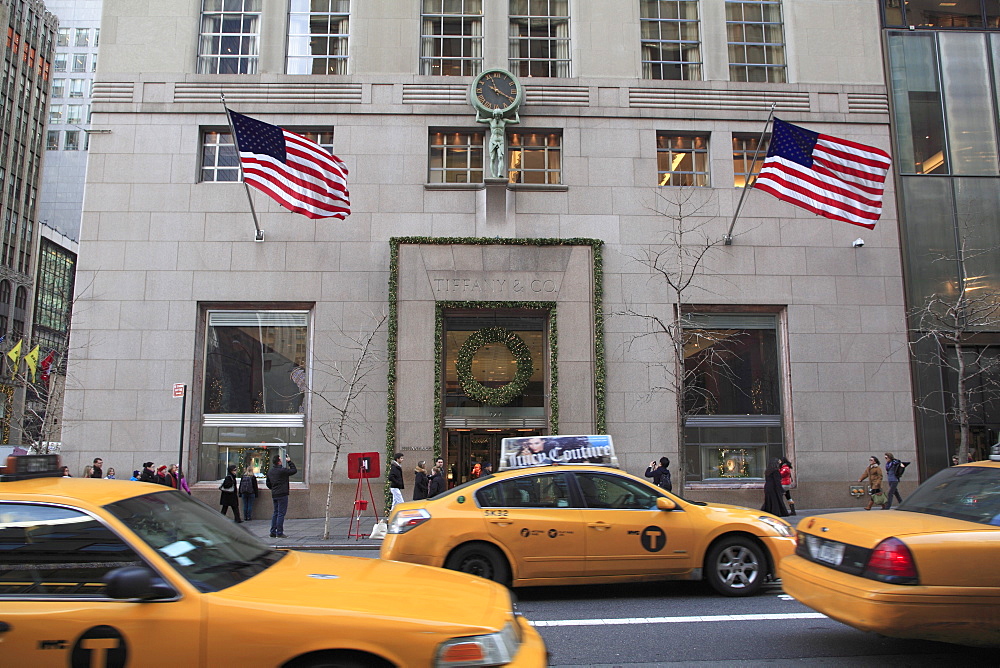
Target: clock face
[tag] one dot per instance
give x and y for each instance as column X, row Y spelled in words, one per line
column 495, row 90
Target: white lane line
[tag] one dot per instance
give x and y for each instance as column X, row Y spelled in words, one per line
column 680, row 620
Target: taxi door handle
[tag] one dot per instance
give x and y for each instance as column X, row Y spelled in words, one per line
column 503, row 522
column 599, row 525
column 4, row 627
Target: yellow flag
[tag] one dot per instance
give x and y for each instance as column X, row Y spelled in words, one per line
column 14, row 354
column 31, row 359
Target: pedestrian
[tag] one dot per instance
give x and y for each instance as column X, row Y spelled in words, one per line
column 435, row 484
column 249, row 491
column 227, row 493
column 65, row 471
column 88, row 471
column 135, row 475
column 111, row 473
column 183, row 481
column 772, row 489
column 893, row 469
column 660, row 474
column 148, row 474
column 277, row 482
column 874, row 476
column 487, row 468
column 396, row 479
column 954, row 460
column 420, row 481
column 173, row 476
column 161, row 476
column 786, row 483
column 97, row 471
column 439, row 462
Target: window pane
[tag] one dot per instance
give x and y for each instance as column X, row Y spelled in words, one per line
column 917, row 102
column 966, row 84
column 532, row 491
column 731, row 372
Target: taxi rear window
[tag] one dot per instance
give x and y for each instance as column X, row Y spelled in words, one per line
column 547, row 490
column 970, row 493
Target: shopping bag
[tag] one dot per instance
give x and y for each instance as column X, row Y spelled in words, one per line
column 879, row 498
column 378, row 531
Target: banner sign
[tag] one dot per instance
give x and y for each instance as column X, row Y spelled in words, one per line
column 543, row 450
column 363, row 465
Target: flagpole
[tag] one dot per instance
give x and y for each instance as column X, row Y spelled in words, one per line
column 750, row 176
column 260, row 233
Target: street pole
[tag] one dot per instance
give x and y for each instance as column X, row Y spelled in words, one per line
column 180, row 389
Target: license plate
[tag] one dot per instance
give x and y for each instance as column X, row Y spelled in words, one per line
column 831, row 553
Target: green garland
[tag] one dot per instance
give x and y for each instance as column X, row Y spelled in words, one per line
column 494, row 396
column 392, row 343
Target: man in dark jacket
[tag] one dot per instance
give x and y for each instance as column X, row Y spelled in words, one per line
column 148, row 474
column 396, row 479
column 98, row 471
column 277, row 482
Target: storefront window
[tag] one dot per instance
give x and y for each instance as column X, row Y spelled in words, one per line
column 255, row 394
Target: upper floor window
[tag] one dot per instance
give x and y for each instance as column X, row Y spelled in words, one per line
column 748, row 155
column 317, row 36
column 62, row 37
column 72, row 142
column 230, row 31
column 535, row 157
column 52, row 140
column 79, row 62
column 451, row 37
column 56, row 113
column 82, row 37
column 756, row 41
column 670, row 45
column 455, row 157
column 21, row 298
column 218, row 154
column 58, row 88
column 681, row 160
column 59, row 61
column 539, row 38
column 77, row 87
column 937, row 14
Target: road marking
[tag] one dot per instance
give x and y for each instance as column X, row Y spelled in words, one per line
column 681, row 620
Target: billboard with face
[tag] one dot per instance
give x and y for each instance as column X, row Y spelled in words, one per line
column 542, row 450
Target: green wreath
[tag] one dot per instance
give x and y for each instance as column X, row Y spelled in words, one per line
column 495, row 396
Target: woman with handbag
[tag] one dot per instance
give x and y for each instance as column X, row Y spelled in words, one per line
column 227, row 493
column 874, row 476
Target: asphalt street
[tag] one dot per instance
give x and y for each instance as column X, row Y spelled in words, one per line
column 686, row 624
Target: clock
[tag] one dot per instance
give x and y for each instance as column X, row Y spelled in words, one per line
column 496, row 90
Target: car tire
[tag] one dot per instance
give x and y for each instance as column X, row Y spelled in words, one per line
column 480, row 559
column 341, row 659
column 736, row 566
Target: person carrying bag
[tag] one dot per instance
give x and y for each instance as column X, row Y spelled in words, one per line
column 873, row 474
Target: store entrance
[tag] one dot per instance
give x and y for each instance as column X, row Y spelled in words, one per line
column 467, row 448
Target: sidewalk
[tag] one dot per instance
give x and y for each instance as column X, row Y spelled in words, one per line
column 307, row 534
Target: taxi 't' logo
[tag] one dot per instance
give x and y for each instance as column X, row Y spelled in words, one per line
column 100, row 646
column 653, row 539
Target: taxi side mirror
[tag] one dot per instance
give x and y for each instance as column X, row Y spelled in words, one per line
column 136, row 582
column 663, row 503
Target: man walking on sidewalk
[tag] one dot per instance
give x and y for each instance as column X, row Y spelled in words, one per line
column 396, row 479
column 277, row 482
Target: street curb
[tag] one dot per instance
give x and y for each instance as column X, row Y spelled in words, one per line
column 326, row 546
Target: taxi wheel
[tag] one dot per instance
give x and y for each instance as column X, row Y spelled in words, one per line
column 736, row 566
column 480, row 559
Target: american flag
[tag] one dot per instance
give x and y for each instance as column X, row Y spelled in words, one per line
column 835, row 178
column 296, row 172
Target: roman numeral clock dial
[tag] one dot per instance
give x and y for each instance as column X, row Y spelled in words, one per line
column 496, row 90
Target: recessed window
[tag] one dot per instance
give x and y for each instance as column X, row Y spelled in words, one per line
column 52, row 140
column 756, row 41
column 77, row 87
column 82, row 37
column 79, row 62
column 59, row 62
column 535, row 157
column 56, row 114
column 681, row 160
column 72, row 140
column 455, row 157
column 318, row 31
column 451, row 37
column 748, row 154
column 539, row 38
column 228, row 43
column 670, row 44
column 219, row 161
column 58, row 88
column 74, row 114
column 62, row 37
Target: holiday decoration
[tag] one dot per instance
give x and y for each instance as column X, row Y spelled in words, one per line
column 494, row 396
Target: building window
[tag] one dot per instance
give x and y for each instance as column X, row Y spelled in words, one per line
column 451, row 37
column 72, row 140
column 82, row 37
column 56, row 112
column 732, row 400
column 219, row 161
column 58, row 88
column 317, row 36
column 21, row 298
column 62, row 37
column 535, row 157
column 74, row 114
column 93, row 63
column 748, row 155
column 756, row 41
column 255, row 390
column 670, row 45
column 539, row 38
column 79, row 62
column 77, row 87
column 229, row 33
column 97, row 37
column 456, row 157
column 52, row 140
column 59, row 61
column 681, row 160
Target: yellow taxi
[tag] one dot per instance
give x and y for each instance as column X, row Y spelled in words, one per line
column 545, row 520
column 118, row 573
column 927, row 569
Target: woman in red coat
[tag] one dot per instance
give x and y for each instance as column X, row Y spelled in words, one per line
column 786, row 483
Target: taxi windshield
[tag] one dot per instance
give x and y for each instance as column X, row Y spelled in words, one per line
column 970, row 493
column 207, row 549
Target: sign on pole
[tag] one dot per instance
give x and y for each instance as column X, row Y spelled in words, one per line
column 179, row 389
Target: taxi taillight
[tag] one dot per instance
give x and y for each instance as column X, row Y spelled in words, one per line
column 891, row 561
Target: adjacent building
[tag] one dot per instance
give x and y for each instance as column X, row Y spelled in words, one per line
column 484, row 307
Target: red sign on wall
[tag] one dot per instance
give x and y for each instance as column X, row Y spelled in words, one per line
column 179, row 389
column 363, row 465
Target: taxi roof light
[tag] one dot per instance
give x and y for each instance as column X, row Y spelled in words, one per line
column 891, row 561
column 24, row 467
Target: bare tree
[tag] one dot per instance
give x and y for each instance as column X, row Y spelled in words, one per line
column 343, row 384
column 679, row 261
column 953, row 323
